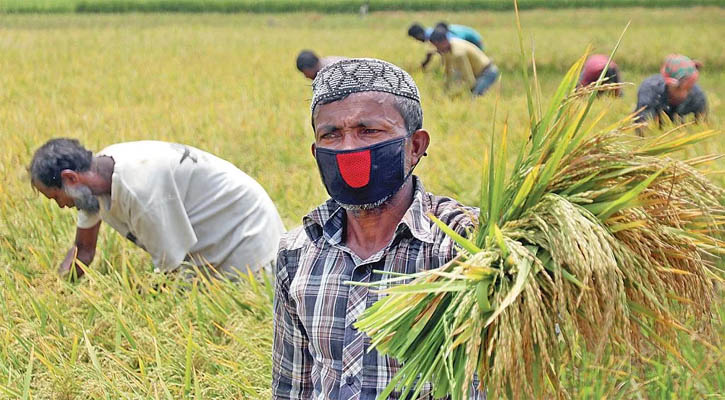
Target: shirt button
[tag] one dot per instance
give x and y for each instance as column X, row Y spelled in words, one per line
column 350, row 380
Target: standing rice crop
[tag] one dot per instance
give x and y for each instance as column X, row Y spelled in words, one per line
column 595, row 236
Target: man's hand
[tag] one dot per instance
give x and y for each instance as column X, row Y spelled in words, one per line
column 69, row 268
column 81, row 253
column 425, row 62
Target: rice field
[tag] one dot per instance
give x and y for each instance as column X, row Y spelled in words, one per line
column 228, row 84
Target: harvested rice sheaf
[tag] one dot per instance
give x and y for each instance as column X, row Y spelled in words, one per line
column 596, row 237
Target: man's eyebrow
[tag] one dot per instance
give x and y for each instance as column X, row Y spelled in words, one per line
column 368, row 122
column 327, row 128
column 363, row 123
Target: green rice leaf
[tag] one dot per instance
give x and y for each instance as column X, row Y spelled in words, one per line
column 566, row 86
column 523, row 192
column 625, row 200
column 524, row 71
column 523, row 270
column 498, row 188
column 677, row 144
column 28, row 375
column 498, row 236
column 482, row 295
column 432, row 287
column 460, row 240
column 188, row 365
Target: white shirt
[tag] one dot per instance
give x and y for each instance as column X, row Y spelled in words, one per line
column 175, row 200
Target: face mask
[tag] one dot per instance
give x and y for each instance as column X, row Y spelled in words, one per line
column 363, row 176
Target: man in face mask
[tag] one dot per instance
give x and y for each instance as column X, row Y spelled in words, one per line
column 367, row 120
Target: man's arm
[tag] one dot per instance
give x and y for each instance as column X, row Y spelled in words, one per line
column 696, row 103
column 467, row 72
column 449, row 70
column 83, row 250
column 647, row 100
column 460, row 74
column 291, row 359
column 428, row 57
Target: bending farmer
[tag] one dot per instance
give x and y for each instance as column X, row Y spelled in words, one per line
column 593, row 68
column 421, row 34
column 182, row 205
column 464, row 63
column 673, row 92
column 309, row 63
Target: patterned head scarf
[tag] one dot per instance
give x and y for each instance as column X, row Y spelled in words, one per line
column 355, row 75
column 678, row 68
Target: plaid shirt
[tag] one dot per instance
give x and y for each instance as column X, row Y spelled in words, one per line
column 318, row 354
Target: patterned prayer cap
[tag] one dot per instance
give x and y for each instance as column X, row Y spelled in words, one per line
column 678, row 68
column 354, row 75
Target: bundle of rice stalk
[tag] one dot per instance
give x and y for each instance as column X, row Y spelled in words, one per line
column 596, row 237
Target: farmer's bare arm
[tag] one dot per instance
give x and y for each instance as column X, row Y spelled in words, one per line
column 83, row 250
column 428, row 57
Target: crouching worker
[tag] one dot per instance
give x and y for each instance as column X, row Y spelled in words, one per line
column 673, row 92
column 464, row 63
column 369, row 137
column 309, row 63
column 417, row 32
column 593, row 68
column 185, row 207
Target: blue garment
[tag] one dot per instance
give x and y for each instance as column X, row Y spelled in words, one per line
column 466, row 33
column 461, row 32
column 485, row 80
column 652, row 100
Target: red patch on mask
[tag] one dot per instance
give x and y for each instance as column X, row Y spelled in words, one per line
column 355, row 168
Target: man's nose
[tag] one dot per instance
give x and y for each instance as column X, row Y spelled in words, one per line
column 350, row 141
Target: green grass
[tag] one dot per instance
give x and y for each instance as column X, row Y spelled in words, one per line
column 324, row 6
column 228, row 84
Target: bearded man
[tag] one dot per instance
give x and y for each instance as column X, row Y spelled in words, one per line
column 369, row 137
column 187, row 208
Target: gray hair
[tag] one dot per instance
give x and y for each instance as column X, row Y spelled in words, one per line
column 55, row 156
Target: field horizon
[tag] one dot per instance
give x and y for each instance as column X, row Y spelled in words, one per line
column 324, row 6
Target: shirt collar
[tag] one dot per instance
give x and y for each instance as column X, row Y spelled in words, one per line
column 328, row 220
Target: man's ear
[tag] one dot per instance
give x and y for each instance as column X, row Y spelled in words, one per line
column 419, row 145
column 69, row 177
column 312, row 148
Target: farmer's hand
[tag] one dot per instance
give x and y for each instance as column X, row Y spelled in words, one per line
column 69, row 269
column 425, row 62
